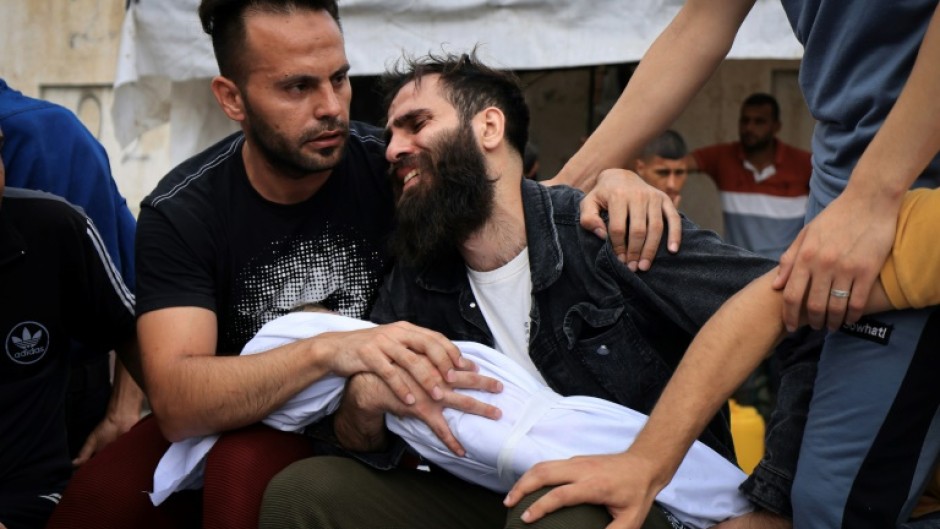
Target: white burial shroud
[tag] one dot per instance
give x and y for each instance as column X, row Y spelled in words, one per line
column 536, row 425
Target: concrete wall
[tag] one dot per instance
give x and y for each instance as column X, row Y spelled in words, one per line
column 65, row 51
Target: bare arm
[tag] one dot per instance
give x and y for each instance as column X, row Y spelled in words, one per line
column 674, row 69
column 844, row 250
column 676, row 66
column 123, row 411
column 726, row 350
column 194, row 392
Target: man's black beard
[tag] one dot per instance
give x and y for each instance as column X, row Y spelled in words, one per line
column 453, row 199
column 288, row 157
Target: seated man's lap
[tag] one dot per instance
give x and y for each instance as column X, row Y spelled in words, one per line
column 339, row 493
column 110, row 490
column 871, row 436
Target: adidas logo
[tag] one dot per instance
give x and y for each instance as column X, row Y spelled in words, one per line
column 27, row 342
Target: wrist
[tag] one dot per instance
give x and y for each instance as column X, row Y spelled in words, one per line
column 358, row 432
column 358, row 425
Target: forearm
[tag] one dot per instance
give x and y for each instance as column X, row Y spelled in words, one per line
column 910, row 136
column 674, row 69
column 725, row 351
column 200, row 395
column 127, row 397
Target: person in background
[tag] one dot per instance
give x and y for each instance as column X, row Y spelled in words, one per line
column 58, row 285
column 663, row 164
column 49, row 149
column 763, row 182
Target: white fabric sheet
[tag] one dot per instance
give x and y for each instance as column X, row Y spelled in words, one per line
column 537, row 425
column 163, row 47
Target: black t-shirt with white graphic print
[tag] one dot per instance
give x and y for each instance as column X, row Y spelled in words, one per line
column 206, row 238
column 57, row 284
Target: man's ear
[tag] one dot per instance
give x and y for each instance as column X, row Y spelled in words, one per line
column 492, row 127
column 229, row 97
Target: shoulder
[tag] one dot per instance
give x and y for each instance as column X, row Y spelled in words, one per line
column 40, row 204
column 565, row 201
column 42, row 215
column 365, row 149
column 364, row 162
column 199, row 173
column 369, row 136
column 16, row 107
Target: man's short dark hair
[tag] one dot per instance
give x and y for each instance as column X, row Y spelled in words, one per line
column 470, row 86
column 761, row 99
column 224, row 21
column 668, row 145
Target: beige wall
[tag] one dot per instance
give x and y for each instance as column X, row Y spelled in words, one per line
column 59, row 42
column 66, row 51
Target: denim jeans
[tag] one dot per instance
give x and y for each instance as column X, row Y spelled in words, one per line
column 770, row 483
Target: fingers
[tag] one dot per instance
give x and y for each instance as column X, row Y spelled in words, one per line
column 557, row 498
column 617, row 213
column 858, row 299
column 787, row 260
column 442, row 352
column 541, row 475
column 468, row 404
column 572, row 487
column 838, row 305
column 427, row 356
column 441, row 429
column 674, row 222
column 383, row 366
column 653, row 235
column 88, row 449
column 637, row 234
column 794, row 295
column 473, row 380
column 591, row 219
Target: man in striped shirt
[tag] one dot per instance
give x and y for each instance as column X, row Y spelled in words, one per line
column 763, row 181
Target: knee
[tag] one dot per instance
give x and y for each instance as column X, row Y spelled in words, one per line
column 584, row 516
column 306, row 493
column 255, row 453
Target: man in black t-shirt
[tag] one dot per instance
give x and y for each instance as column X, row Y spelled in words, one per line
column 292, row 210
column 58, row 285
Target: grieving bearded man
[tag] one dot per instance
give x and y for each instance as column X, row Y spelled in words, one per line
column 488, row 256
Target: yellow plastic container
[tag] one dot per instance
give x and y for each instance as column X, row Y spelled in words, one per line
column 747, row 429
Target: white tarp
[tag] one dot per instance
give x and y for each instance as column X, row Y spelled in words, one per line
column 166, row 60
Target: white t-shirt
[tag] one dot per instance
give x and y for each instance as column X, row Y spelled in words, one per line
column 505, row 298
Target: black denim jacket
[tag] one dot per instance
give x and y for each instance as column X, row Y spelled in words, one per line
column 597, row 328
